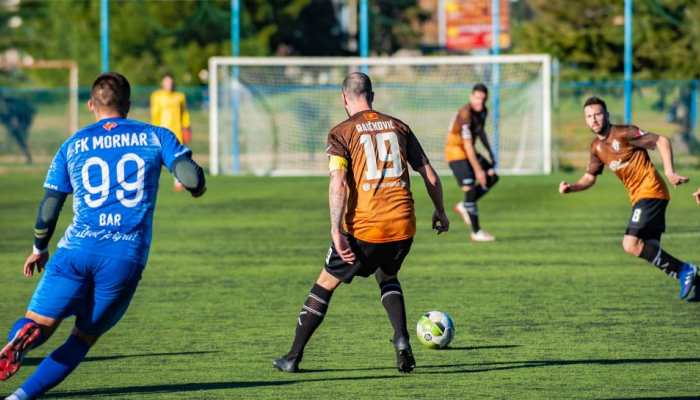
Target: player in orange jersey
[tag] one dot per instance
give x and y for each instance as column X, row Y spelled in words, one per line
column 372, row 214
column 623, row 148
column 474, row 173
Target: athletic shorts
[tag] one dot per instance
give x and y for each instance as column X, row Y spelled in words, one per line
column 463, row 171
column 648, row 220
column 369, row 257
column 96, row 289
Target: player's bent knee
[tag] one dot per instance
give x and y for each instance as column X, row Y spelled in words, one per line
column 381, row 276
column 327, row 281
column 48, row 325
column 467, row 188
column 632, row 245
column 42, row 320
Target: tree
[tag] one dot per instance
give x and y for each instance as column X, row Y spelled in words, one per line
column 395, row 24
column 587, row 38
column 148, row 37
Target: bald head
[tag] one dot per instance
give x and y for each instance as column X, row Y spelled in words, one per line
column 357, row 86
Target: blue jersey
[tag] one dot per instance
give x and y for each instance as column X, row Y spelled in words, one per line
column 112, row 168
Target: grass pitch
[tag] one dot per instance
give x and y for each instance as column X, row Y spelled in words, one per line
column 554, row 309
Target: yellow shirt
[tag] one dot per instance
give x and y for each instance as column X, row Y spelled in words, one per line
column 168, row 109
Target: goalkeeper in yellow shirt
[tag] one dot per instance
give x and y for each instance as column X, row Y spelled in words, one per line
column 169, row 110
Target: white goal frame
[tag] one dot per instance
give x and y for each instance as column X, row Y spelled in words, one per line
column 544, row 59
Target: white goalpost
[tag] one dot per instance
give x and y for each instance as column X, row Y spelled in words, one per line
column 71, row 66
column 271, row 116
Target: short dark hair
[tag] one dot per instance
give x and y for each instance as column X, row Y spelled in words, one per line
column 593, row 100
column 480, row 87
column 358, row 84
column 112, row 90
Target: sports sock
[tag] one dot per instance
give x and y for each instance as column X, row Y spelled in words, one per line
column 19, row 324
column 310, row 317
column 472, row 210
column 392, row 300
column 653, row 253
column 55, row 368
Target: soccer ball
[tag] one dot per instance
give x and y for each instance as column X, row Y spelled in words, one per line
column 435, row 329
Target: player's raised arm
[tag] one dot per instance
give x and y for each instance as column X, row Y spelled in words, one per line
column 650, row 141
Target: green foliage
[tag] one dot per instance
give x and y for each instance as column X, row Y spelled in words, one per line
column 150, row 37
column 395, row 24
column 588, row 37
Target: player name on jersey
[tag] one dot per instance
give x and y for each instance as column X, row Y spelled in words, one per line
column 102, row 142
column 370, row 126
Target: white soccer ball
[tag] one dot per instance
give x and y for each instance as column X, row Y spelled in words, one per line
column 435, row 329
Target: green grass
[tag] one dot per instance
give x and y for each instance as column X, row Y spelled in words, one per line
column 554, row 309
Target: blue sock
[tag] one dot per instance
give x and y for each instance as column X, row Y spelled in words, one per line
column 56, row 367
column 18, row 325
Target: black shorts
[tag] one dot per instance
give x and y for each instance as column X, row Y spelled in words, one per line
column 463, row 171
column 369, row 257
column 648, row 219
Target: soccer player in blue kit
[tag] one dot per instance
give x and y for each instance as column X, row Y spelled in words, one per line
column 112, row 168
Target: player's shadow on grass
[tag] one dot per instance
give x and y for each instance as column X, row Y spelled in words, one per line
column 31, row 361
column 461, row 368
column 466, row 368
column 511, row 365
column 194, row 387
column 459, row 348
column 486, row 347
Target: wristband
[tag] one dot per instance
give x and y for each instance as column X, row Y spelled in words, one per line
column 37, row 251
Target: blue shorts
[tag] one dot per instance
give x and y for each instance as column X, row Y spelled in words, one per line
column 96, row 289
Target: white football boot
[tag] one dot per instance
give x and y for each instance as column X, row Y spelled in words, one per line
column 482, row 236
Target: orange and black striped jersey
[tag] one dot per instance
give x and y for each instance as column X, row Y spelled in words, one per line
column 630, row 162
column 378, row 149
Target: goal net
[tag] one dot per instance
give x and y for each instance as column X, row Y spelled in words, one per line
column 271, row 116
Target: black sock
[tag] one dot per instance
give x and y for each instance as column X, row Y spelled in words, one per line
column 491, row 180
column 392, row 300
column 653, row 253
column 310, row 317
column 472, row 210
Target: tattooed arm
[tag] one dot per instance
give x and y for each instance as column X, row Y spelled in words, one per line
column 337, row 192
